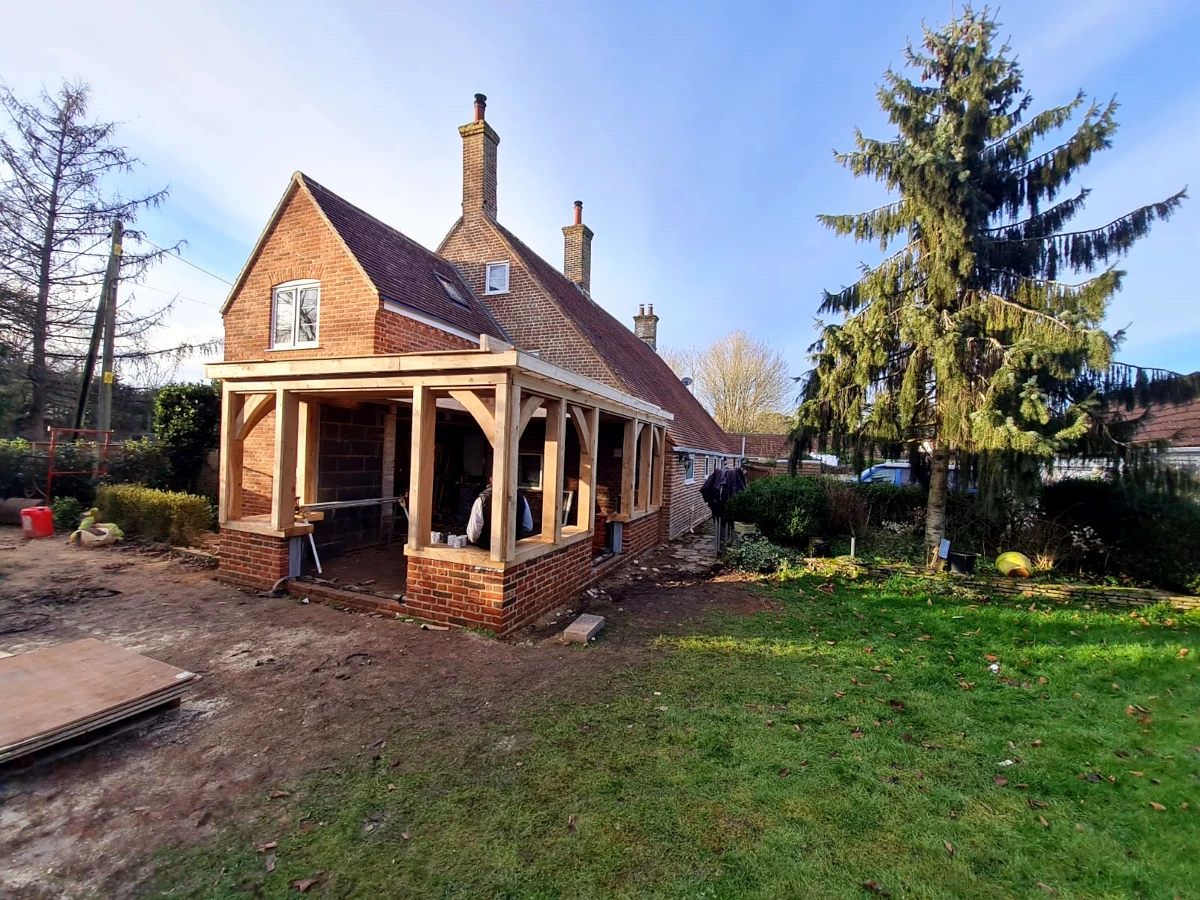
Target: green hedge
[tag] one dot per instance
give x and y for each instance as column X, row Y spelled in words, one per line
column 167, row 516
column 893, row 503
column 788, row 509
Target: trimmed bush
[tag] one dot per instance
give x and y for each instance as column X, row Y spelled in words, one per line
column 849, row 509
column 139, row 462
column 787, row 509
column 166, row 516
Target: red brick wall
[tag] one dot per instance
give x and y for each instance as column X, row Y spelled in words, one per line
column 302, row 245
column 641, row 535
column 530, row 317
column 253, row 560
column 683, row 503
column 258, row 462
column 352, row 320
column 395, row 333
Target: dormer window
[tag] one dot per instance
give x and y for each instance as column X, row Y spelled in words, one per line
column 295, row 310
column 496, row 281
column 451, row 291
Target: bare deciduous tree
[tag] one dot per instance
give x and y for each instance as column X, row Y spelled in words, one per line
column 742, row 381
column 56, row 214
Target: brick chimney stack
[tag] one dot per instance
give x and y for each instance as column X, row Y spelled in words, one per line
column 479, row 163
column 645, row 326
column 577, row 251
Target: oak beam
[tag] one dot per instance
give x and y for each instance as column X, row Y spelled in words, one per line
column 478, row 408
column 588, row 437
column 387, row 513
column 229, row 506
column 628, row 465
column 660, row 472
column 529, row 406
column 553, row 460
column 504, row 472
column 646, row 456
column 283, row 475
column 309, row 440
column 420, row 485
column 254, row 411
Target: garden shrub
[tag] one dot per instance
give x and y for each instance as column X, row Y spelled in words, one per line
column 139, row 462
column 67, row 513
column 1150, row 537
column 787, row 509
column 849, row 509
column 893, row 503
column 187, row 420
column 167, row 516
column 756, row 554
column 17, row 468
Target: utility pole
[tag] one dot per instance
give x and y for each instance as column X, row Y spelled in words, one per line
column 111, row 276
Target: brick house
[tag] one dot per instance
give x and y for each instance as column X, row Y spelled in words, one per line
column 372, row 387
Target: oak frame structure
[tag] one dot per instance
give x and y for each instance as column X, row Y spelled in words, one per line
column 502, row 388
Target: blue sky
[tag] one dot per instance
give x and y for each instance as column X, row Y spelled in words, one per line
column 697, row 135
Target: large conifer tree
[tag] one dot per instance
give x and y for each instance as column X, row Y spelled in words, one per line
column 975, row 334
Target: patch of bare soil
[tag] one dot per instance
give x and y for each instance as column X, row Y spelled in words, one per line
column 287, row 688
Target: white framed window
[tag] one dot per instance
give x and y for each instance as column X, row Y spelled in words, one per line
column 496, row 280
column 295, row 313
column 529, row 471
column 689, row 469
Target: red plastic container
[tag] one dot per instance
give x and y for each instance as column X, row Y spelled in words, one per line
column 37, row 522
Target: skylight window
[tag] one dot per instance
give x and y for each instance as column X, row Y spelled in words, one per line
column 452, row 292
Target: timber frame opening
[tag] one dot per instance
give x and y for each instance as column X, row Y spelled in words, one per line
column 501, row 388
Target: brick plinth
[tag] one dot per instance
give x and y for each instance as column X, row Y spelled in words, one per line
column 252, row 560
column 503, row 600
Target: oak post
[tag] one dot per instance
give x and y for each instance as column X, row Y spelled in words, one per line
column 283, row 482
column 420, row 484
column 230, row 490
column 553, row 460
column 646, row 443
column 387, row 514
column 504, row 471
column 628, row 465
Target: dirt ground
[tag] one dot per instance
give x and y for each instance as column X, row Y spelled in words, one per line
column 286, row 688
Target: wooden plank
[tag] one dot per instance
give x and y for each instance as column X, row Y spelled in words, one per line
column 387, row 512
column 308, row 445
column 256, row 408
column 553, row 461
column 229, row 491
column 283, row 474
column 536, row 384
column 504, row 472
column 62, row 690
column 478, row 408
column 366, row 387
column 420, row 484
column 628, row 463
column 529, row 406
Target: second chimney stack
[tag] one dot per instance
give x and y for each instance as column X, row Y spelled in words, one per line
column 645, row 326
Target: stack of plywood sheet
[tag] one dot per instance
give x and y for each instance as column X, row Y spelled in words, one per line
column 62, row 693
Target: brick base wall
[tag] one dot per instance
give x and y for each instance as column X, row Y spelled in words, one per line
column 504, row 600
column 252, row 560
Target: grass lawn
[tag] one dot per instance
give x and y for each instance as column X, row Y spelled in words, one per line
column 840, row 744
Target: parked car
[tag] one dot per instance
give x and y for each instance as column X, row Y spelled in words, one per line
column 899, row 473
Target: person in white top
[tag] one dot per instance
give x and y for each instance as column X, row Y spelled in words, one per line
column 479, row 526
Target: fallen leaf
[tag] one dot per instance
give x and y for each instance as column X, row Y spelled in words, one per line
column 269, row 845
column 1183, row 651
column 949, row 847
column 303, row 884
column 1123, row 754
column 571, row 822
column 1022, row 787
column 526, row 856
column 875, row 887
column 991, row 657
column 784, row 773
column 407, row 835
column 276, row 795
column 857, row 733
column 270, row 862
column 1036, row 743
column 839, row 694
column 1157, row 807
column 1042, row 679
column 770, row 723
column 925, row 637
column 954, row 813
column 1045, row 887
column 1037, row 804
column 896, row 705
column 1000, row 780
column 1042, row 819
column 1078, row 827
column 887, row 677
column 1137, row 774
